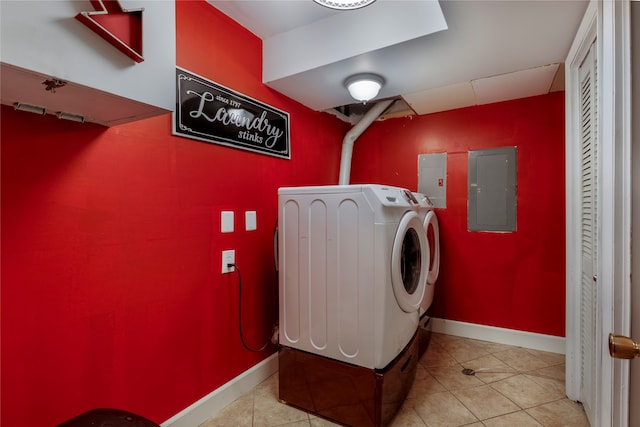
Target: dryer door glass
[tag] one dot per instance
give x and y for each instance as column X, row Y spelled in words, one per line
column 410, row 261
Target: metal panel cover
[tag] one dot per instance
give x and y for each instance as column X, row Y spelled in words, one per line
column 492, row 189
column 432, row 178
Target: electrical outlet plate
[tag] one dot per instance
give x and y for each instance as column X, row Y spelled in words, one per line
column 250, row 221
column 226, row 221
column 228, row 257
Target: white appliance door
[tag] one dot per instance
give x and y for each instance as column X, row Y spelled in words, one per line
column 432, row 231
column 409, row 262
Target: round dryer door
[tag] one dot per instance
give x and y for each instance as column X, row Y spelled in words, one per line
column 409, row 262
column 432, row 231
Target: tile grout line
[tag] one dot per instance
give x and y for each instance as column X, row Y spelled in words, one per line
column 543, row 404
column 479, row 385
column 515, row 373
column 253, row 406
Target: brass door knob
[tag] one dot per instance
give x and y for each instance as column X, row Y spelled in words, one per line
column 621, row 347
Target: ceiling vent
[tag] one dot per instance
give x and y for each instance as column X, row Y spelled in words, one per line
column 352, row 113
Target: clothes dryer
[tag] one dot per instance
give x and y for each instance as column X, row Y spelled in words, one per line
column 353, row 264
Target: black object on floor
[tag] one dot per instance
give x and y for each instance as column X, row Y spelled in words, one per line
column 106, row 417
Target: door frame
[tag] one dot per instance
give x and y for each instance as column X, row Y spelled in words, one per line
column 585, row 37
column 607, row 22
column 634, row 375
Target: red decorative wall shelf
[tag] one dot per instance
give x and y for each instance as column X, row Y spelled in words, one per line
column 120, row 27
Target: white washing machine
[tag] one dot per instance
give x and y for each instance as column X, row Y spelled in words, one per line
column 432, row 232
column 353, row 263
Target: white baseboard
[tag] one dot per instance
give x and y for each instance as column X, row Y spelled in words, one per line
column 530, row 340
column 214, row 402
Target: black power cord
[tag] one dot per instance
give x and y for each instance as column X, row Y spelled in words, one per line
column 258, row 350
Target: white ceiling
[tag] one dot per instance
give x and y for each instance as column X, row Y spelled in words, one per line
column 435, row 55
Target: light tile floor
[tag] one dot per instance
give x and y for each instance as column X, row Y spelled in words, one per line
column 512, row 387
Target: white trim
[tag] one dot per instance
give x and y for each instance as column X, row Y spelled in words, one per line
column 214, row 402
column 615, row 268
column 606, row 209
column 512, row 337
column 585, row 37
column 614, row 207
column 622, row 371
column 634, row 382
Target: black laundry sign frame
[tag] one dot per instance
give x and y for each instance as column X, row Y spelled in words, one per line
column 209, row 112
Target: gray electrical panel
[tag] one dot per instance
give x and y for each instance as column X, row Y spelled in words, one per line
column 492, row 189
column 432, row 178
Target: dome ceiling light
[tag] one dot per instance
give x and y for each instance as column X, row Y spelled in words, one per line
column 364, row 87
column 344, row 4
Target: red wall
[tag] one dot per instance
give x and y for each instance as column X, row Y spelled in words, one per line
column 112, row 294
column 510, row 280
column 111, row 287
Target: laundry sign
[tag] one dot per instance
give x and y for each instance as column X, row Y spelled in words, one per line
column 209, row 112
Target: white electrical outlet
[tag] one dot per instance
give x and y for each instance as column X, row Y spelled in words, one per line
column 228, row 257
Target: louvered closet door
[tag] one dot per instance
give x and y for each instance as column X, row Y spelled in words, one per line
column 589, row 237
